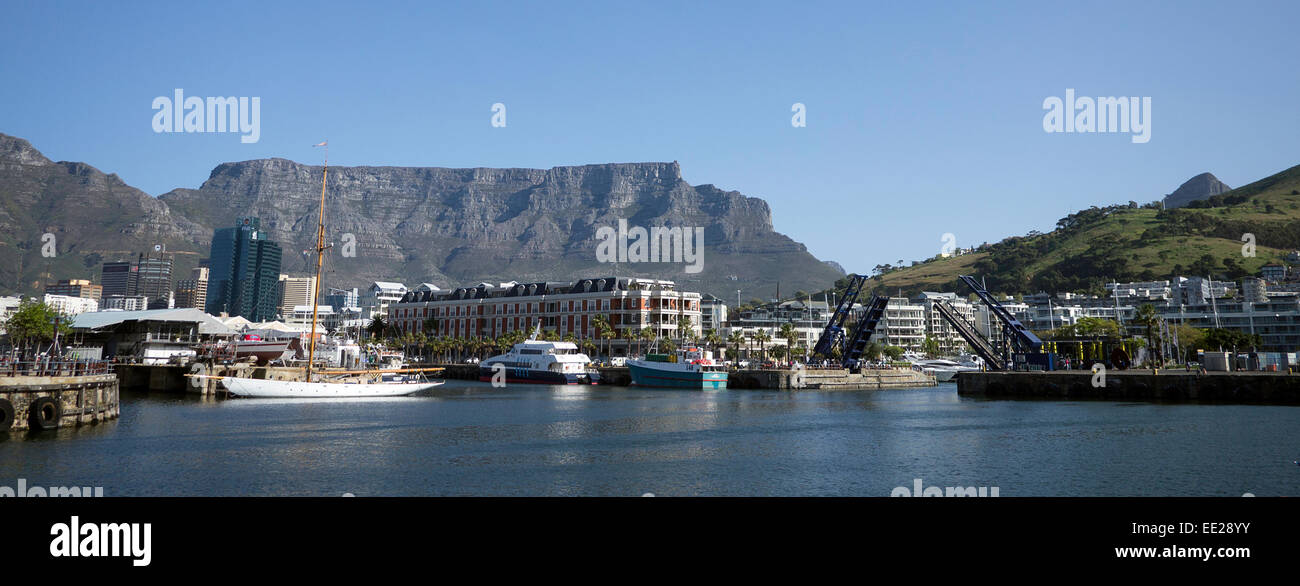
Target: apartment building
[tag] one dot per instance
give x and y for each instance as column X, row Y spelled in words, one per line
column 486, row 310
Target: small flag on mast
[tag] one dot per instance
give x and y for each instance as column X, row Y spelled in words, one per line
column 326, row 143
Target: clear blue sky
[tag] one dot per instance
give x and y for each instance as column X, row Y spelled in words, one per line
column 922, row 118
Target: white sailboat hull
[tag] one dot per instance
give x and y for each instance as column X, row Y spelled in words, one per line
column 263, row 388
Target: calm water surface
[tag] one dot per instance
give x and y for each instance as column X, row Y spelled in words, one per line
column 470, row 439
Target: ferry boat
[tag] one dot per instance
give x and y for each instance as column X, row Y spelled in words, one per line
column 541, row 362
column 688, row 368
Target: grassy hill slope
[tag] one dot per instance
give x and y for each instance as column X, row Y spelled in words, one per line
column 1128, row 243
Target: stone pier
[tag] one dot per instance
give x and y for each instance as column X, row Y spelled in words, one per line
column 1135, row 385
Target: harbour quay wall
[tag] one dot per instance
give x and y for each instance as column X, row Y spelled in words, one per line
column 834, row 379
column 775, row 379
column 49, row 402
column 174, row 377
column 1135, row 385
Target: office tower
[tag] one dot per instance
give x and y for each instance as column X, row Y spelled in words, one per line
column 296, row 291
column 244, row 272
column 193, row 292
column 154, row 279
column 118, row 279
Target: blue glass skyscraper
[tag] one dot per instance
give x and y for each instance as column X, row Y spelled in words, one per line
column 244, row 271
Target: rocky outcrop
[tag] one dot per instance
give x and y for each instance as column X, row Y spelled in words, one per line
column 1200, row 187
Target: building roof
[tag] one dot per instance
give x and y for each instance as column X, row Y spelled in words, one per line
column 95, row 320
column 388, row 286
column 235, row 322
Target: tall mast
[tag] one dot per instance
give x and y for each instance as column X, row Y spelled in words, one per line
column 320, row 259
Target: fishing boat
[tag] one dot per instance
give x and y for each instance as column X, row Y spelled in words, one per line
column 687, row 368
column 329, row 383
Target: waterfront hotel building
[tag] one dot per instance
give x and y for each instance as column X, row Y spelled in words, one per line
column 488, row 311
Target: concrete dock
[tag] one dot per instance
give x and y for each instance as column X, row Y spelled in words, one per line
column 173, row 378
column 50, row 402
column 1135, row 385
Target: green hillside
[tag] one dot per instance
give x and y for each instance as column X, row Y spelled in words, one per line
column 1127, row 243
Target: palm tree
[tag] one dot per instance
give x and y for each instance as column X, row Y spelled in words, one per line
column 711, row 337
column 598, row 326
column 789, row 334
column 1146, row 316
column 378, row 327
column 763, row 338
column 685, row 328
column 734, row 340
column 646, row 334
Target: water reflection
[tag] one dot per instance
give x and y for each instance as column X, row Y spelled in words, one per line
column 469, row 438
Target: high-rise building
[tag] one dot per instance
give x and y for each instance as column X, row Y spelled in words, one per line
column 245, row 272
column 75, row 288
column 118, row 278
column 154, row 278
column 193, row 292
column 295, row 291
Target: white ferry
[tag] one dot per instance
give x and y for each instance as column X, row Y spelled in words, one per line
column 541, row 362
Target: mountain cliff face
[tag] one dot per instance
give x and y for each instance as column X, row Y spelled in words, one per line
column 1200, row 187
column 416, row 224
column 92, row 217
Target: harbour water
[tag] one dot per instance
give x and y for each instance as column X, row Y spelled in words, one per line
column 468, row 438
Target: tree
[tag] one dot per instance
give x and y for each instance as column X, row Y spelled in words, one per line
column 778, row 352
column 1189, row 339
column 788, row 333
column 1223, row 339
column 685, row 328
column 600, row 324
column 734, row 341
column 711, row 337
column 35, row 323
column 872, row 351
column 378, row 327
column 763, row 338
column 1146, row 316
column 930, row 346
column 893, row 352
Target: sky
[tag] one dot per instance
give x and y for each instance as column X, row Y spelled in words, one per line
column 921, row 118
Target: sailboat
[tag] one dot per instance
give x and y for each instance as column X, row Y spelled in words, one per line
column 342, row 383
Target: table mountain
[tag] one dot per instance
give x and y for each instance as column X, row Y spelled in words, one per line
column 412, row 224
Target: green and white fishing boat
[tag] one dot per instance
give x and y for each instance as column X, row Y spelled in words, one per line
column 688, row 368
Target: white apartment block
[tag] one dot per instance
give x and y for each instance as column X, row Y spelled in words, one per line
column 69, row 305
column 903, row 324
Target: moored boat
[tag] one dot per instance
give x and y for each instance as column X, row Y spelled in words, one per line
column 688, row 368
column 540, row 362
column 263, row 350
column 265, row 388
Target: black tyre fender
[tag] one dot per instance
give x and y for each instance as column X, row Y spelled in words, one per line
column 6, row 415
column 44, row 413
